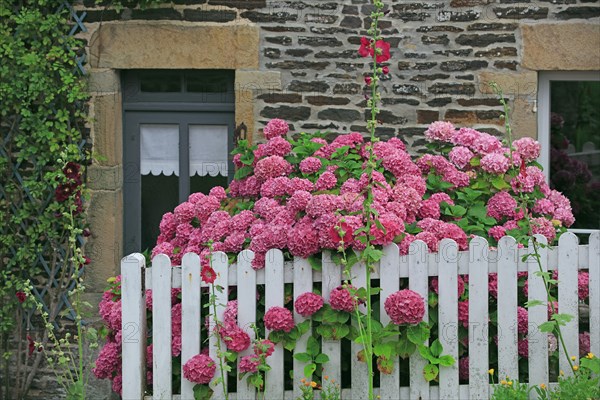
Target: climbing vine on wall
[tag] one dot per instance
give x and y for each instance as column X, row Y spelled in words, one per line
column 42, row 170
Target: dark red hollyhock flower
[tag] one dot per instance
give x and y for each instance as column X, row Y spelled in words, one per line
column 86, row 232
column 64, row 191
column 368, row 80
column 71, row 170
column 21, row 296
column 208, row 274
column 341, row 229
column 385, row 51
column 385, row 70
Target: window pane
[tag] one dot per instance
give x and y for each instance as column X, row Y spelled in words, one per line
column 160, row 81
column 160, row 194
column 159, row 149
column 208, row 150
column 575, row 153
column 208, row 81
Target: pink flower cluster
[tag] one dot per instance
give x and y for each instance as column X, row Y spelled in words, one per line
column 251, row 362
column 308, row 303
column 405, row 307
column 199, row 369
column 341, row 299
column 279, row 319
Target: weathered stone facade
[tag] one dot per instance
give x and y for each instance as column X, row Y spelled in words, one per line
column 297, row 60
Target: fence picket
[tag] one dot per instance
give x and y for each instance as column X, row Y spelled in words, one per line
column 507, row 308
column 220, row 264
column 190, row 316
column 274, row 293
column 568, row 296
column 418, row 282
column 478, row 319
column 133, row 326
column 246, row 291
column 161, row 327
column 594, row 286
column 360, row 371
column 389, row 283
column 332, row 277
column 448, row 316
column 537, row 341
column 303, row 282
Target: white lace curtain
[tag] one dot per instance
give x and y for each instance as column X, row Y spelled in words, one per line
column 160, row 149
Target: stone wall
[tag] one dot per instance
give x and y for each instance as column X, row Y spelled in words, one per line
column 298, row 60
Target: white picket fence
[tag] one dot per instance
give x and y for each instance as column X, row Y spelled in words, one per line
column 418, row 266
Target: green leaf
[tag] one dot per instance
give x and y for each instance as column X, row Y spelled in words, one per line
column 322, row 358
column 533, row 303
column 309, row 369
column 340, row 331
column 425, row 352
column 202, row 392
column 547, row 326
column 303, row 327
column 430, row 372
column 303, row 357
column 447, row 361
column 562, row 319
column 500, row 183
column 418, row 334
column 316, row 262
column 384, row 349
column 312, row 346
column 242, row 172
column 436, row 348
column 593, row 364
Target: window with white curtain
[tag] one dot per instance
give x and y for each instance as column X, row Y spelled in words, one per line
column 178, row 133
column 569, row 132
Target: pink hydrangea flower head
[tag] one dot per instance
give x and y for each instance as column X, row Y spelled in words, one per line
column 308, row 303
column 310, row 165
column 275, row 127
column 584, row 343
column 249, row 364
column 463, row 313
column 272, row 167
column 497, row 232
column 279, row 319
column 235, row 338
column 430, row 209
column 275, row 187
column 341, row 299
column 544, row 227
column 466, row 137
column 522, row 320
column 523, row 348
column 393, row 227
column 277, row 146
column 495, row 163
column 264, row 346
column 108, row 361
column 486, row 144
column 117, row 384
column 218, row 192
column 441, row 131
column 199, row 369
column 460, row 285
column 168, row 224
column 583, row 282
column 230, row 314
column 326, row 181
column 405, row 307
column 463, row 368
column 184, row 212
column 500, row 205
column 528, row 148
column 460, row 156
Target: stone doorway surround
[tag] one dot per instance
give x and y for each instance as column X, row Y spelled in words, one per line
column 122, row 45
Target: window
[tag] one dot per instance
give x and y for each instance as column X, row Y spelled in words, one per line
column 569, row 132
column 178, row 133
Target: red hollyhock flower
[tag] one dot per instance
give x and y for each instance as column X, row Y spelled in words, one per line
column 385, row 70
column 384, row 50
column 63, row 192
column 21, row 296
column 368, row 80
column 71, row 171
column 341, row 229
column 208, row 274
column 365, row 49
column 31, row 345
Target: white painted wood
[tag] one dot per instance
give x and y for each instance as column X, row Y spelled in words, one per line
column 568, row 297
column 246, row 313
column 303, row 283
column 161, row 327
column 190, row 316
column 360, row 370
column 594, row 300
column 274, row 296
column 507, row 309
column 332, row 277
column 478, row 319
column 388, row 269
column 418, row 282
column 448, row 316
column 133, row 320
column 537, row 341
column 219, row 263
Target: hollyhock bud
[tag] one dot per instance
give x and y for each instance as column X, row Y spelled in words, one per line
column 385, row 70
column 21, row 296
column 368, row 80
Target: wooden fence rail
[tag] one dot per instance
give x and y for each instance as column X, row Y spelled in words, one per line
column 418, row 267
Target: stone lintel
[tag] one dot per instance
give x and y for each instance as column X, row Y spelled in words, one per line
column 563, row 46
column 174, row 45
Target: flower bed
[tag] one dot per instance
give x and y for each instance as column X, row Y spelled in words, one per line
column 303, row 194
